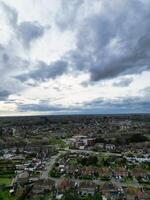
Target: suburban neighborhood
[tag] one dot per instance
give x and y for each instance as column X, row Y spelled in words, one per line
column 74, row 160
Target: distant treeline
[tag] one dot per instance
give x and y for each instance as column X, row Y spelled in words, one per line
column 64, row 119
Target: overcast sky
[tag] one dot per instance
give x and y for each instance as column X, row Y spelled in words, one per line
column 74, row 56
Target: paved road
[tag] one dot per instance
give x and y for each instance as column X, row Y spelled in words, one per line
column 89, row 151
column 49, row 165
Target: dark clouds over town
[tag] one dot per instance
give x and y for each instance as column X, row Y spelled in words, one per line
column 77, row 56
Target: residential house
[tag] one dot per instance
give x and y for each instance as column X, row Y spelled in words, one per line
column 41, row 186
column 110, row 189
column 22, row 178
column 73, row 171
column 121, row 171
column 64, row 184
column 132, row 193
column 105, row 172
column 110, row 147
column 138, row 172
column 88, row 171
column 87, row 187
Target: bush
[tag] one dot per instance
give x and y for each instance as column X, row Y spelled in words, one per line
column 54, row 173
column 137, row 138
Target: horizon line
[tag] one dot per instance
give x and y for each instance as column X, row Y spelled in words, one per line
column 75, row 114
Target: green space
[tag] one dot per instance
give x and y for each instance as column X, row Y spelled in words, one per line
column 5, row 181
column 4, row 195
column 57, row 141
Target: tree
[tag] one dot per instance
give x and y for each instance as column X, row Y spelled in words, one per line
column 71, row 194
column 137, row 138
column 54, row 173
column 1, row 197
column 86, row 161
column 1, row 132
column 97, row 196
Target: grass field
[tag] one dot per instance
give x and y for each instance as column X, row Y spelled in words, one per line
column 6, row 181
column 5, row 195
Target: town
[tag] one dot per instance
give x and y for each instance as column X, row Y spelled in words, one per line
column 97, row 157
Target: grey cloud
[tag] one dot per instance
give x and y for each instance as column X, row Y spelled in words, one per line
column 146, row 90
column 146, row 93
column 108, row 44
column 97, row 106
column 13, row 60
column 57, row 89
column 36, row 108
column 26, row 31
column 10, row 65
column 29, row 31
column 9, row 60
column 68, row 13
column 124, row 82
column 4, row 94
column 12, row 15
column 114, row 43
column 45, row 71
column 31, row 84
column 40, row 107
column 121, row 105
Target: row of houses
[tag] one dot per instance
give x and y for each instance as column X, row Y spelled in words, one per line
column 106, row 189
column 102, row 172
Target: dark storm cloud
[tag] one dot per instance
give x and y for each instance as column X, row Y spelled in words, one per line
column 124, row 82
column 45, row 71
column 114, row 42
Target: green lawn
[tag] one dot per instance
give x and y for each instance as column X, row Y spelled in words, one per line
column 6, row 181
column 5, row 195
